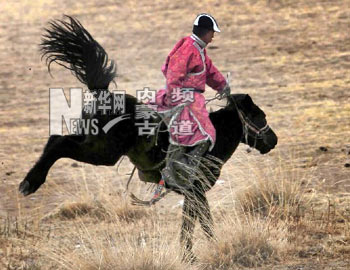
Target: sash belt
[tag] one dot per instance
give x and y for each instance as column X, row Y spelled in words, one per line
column 192, row 90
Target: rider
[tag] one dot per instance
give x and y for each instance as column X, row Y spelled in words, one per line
column 187, row 69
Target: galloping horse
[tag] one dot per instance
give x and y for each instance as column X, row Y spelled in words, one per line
column 70, row 45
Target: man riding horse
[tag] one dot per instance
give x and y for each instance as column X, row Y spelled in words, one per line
column 187, row 70
column 240, row 121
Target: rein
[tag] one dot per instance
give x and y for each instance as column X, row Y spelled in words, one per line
column 249, row 128
column 249, row 125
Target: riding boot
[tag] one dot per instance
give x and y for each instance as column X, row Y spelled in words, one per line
column 181, row 169
column 194, row 159
column 197, row 152
column 170, row 173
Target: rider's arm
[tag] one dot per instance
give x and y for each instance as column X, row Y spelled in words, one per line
column 214, row 78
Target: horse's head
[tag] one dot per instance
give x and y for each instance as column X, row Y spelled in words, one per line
column 256, row 132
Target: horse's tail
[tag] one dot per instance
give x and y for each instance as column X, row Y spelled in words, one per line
column 70, row 45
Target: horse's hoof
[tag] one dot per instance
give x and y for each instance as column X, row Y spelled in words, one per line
column 24, row 188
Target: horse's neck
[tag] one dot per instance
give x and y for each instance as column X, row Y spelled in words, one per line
column 229, row 132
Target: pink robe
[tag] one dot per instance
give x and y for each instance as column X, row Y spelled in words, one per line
column 188, row 66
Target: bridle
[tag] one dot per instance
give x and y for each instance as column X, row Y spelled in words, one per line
column 250, row 129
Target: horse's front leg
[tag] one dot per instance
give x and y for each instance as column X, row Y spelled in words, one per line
column 204, row 215
column 189, row 216
column 92, row 149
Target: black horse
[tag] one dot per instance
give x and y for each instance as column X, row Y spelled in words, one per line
column 70, row 45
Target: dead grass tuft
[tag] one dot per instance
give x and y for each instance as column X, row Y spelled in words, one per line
column 112, row 247
column 99, row 210
column 250, row 244
column 106, row 207
column 126, row 212
column 279, row 198
column 75, row 209
column 130, row 260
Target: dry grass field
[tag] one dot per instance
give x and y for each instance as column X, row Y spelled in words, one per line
column 289, row 209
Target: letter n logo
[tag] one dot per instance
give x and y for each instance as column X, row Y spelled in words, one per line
column 61, row 110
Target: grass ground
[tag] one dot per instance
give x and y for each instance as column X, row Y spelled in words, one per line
column 288, row 209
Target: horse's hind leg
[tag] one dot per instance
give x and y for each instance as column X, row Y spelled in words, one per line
column 94, row 150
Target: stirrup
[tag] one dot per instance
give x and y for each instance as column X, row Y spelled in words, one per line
column 157, row 196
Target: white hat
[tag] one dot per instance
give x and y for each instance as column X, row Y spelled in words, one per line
column 206, row 21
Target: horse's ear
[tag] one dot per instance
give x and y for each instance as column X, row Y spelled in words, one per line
column 248, row 100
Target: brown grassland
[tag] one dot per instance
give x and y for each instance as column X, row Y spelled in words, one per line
column 289, row 209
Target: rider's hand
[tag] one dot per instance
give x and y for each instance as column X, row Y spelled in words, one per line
column 226, row 91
